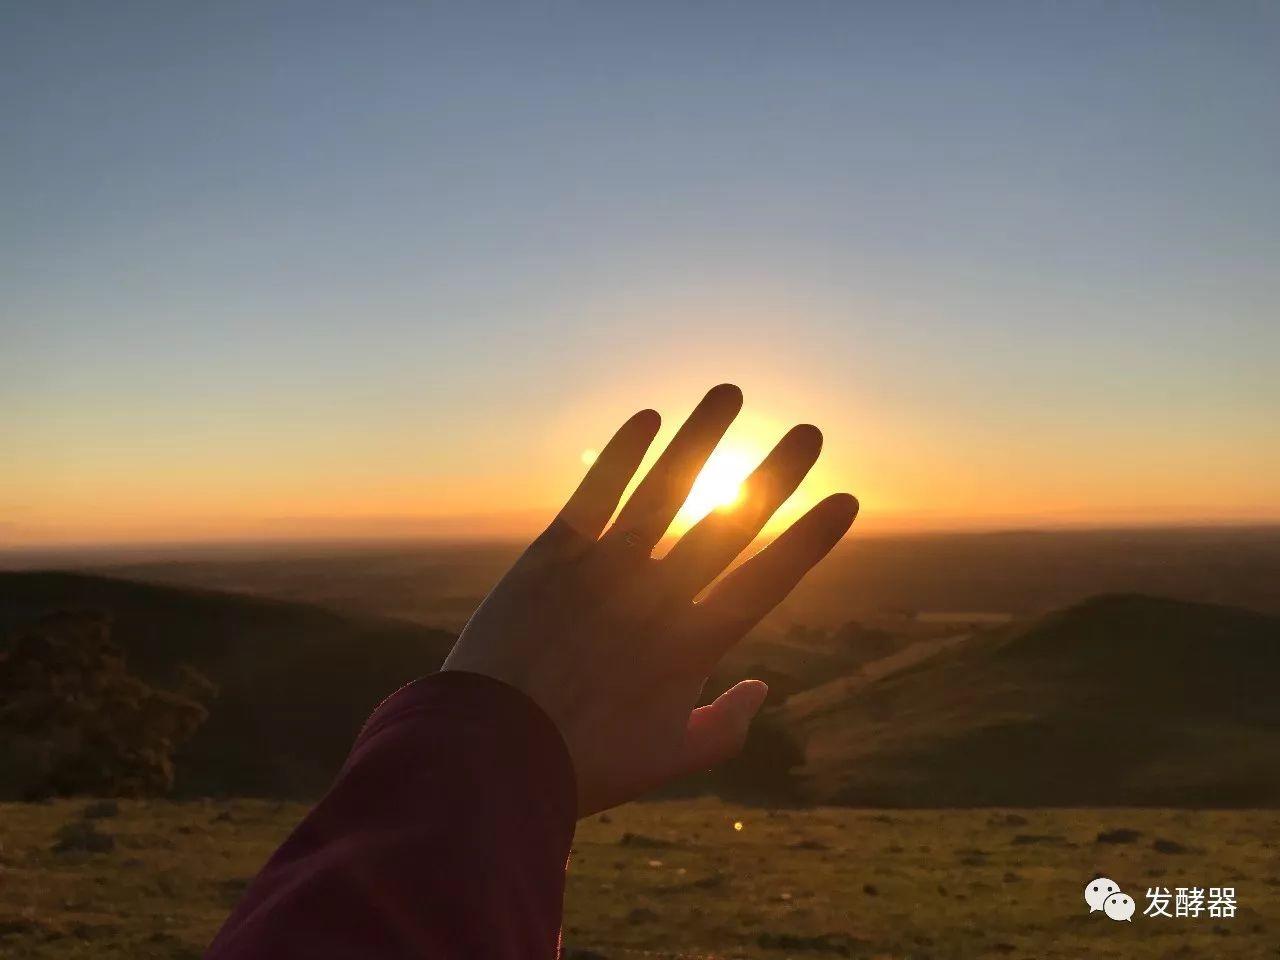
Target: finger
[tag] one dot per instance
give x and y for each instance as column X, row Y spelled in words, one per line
column 721, row 535
column 717, row 732
column 650, row 510
column 597, row 496
column 741, row 599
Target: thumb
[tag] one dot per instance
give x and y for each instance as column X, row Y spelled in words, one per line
column 716, row 732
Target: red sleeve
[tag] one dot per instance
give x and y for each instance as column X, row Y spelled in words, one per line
column 445, row 836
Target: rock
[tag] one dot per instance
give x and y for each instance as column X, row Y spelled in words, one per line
column 808, row 845
column 1008, row 820
column 835, row 943
column 1025, row 838
column 83, row 835
column 640, row 840
column 1119, row 835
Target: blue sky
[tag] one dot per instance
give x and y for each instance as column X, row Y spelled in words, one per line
column 367, row 260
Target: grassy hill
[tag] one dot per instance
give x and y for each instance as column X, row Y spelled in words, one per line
column 296, row 681
column 1120, row 700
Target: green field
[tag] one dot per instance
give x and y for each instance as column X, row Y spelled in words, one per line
column 676, row 879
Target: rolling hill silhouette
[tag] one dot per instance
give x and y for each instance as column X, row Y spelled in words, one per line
column 1119, row 700
column 296, row 681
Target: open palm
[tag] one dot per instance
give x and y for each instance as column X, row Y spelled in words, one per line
column 610, row 642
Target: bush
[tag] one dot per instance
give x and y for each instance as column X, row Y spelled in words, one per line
column 765, row 771
column 74, row 720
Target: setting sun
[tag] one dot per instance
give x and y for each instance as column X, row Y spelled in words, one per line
column 719, row 485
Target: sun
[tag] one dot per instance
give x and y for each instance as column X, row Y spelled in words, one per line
column 718, row 486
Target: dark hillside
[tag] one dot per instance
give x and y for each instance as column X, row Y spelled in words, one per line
column 1117, row 700
column 296, row 681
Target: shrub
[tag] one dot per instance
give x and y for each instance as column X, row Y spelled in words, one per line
column 765, row 771
column 74, row 720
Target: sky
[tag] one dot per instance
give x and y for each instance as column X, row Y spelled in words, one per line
column 382, row 269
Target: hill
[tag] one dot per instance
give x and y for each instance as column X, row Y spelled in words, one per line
column 1120, row 700
column 296, row 681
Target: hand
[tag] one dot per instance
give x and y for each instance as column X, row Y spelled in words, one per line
column 609, row 641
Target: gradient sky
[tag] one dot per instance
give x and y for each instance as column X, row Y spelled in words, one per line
column 390, row 268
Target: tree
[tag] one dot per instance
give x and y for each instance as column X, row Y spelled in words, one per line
column 73, row 719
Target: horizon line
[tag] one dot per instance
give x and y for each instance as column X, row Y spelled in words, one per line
column 376, row 541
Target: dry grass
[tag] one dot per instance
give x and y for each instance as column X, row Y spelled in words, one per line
column 675, row 879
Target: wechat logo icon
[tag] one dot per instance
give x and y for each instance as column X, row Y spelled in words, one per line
column 1119, row 906
column 1105, row 895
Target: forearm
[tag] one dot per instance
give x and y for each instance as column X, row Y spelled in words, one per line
column 445, row 835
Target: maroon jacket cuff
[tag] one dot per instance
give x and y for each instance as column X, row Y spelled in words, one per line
column 445, row 835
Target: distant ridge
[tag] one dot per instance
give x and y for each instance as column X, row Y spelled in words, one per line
column 297, row 681
column 1118, row 700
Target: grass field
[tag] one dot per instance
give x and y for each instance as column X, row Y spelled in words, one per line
column 677, row 879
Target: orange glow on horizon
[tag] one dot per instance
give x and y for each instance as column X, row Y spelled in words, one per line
column 502, row 472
